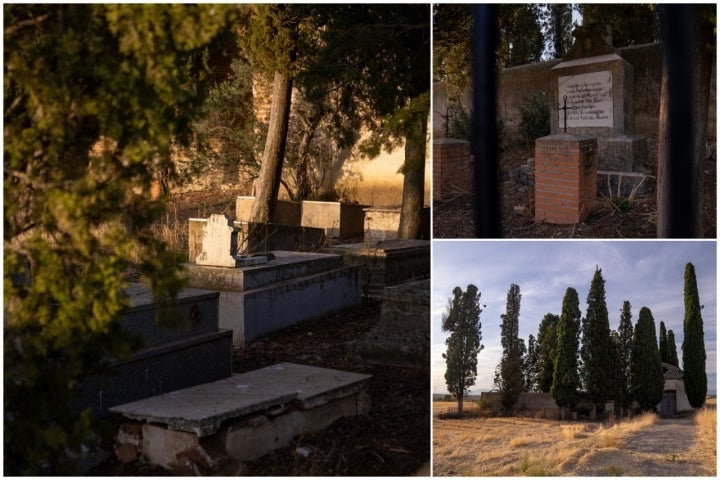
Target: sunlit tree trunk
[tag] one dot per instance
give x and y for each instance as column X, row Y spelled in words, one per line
column 413, row 199
column 268, row 183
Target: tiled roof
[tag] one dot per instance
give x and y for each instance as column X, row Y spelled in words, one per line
column 671, row 371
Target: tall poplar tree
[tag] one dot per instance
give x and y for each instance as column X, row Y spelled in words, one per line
column 510, row 379
column 547, row 346
column 647, row 374
column 693, row 346
column 664, row 348
column 625, row 343
column 596, row 347
column 462, row 320
column 566, row 380
column 672, row 349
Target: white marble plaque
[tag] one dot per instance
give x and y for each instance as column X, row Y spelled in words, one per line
column 589, row 100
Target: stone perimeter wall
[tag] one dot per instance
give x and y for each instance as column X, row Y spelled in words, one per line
column 518, row 82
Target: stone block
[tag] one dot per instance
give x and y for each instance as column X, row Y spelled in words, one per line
column 260, row 237
column 293, row 287
column 382, row 223
column 170, row 359
column 402, row 337
column 161, row 445
column 286, row 212
column 625, row 153
column 388, row 263
column 245, row 416
column 337, row 219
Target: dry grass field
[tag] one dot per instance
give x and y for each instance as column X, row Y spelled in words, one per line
column 643, row 446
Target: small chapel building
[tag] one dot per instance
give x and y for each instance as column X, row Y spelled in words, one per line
column 674, row 399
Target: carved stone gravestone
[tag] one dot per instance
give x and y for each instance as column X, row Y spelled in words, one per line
column 594, row 84
column 219, row 245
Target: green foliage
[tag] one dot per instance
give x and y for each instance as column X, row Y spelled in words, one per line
column 566, row 381
column 462, row 320
column 596, row 352
column 95, row 97
column 520, row 37
column 530, row 364
column 509, row 380
column 624, row 344
column 672, row 349
column 547, row 346
column 228, row 136
column 664, row 347
column 452, row 31
column 559, row 25
column 534, row 117
column 647, row 375
column 458, row 123
column 630, row 24
column 693, row 346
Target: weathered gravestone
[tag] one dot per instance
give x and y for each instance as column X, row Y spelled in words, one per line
column 591, row 94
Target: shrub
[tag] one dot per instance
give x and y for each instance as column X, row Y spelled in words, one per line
column 534, row 117
column 458, row 123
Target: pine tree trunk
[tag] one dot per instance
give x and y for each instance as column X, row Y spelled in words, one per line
column 268, row 184
column 413, row 199
column 460, row 405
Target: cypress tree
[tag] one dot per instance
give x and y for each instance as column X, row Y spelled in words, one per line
column 596, row 347
column 664, row 349
column 530, row 365
column 625, row 342
column 510, row 378
column 547, row 345
column 672, row 348
column 566, row 382
column 462, row 319
column 647, row 374
column 693, row 346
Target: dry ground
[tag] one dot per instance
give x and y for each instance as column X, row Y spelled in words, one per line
column 644, row 446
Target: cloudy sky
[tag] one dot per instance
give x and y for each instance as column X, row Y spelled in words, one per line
column 646, row 273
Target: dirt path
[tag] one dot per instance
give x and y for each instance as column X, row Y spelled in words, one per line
column 663, row 449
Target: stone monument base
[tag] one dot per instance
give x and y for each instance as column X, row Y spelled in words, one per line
column 624, row 153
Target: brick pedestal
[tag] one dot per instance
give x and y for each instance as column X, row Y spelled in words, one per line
column 452, row 167
column 565, row 178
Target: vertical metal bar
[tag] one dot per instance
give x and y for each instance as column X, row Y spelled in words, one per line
column 678, row 38
column 484, row 127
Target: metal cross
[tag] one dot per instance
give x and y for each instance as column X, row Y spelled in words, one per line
column 565, row 108
column 446, row 117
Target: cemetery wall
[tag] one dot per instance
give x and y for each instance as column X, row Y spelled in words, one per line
column 516, row 83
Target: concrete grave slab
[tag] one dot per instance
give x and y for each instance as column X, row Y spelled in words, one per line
column 293, row 287
column 245, row 416
column 388, row 262
column 170, row 358
column 203, row 408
